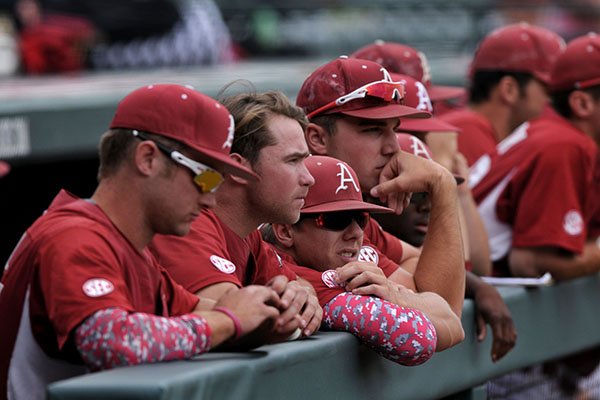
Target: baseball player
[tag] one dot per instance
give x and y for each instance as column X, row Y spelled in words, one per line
column 326, row 245
column 412, row 226
column 224, row 250
column 508, row 81
column 354, row 110
column 81, row 288
column 535, row 193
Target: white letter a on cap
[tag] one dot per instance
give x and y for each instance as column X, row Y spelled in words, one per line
column 345, row 176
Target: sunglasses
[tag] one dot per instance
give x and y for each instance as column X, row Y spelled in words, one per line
column 338, row 220
column 206, row 178
column 386, row 90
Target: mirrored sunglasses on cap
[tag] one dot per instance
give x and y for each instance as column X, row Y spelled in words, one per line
column 206, row 178
column 385, row 90
column 338, row 220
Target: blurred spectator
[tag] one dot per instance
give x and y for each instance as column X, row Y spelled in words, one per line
column 67, row 35
column 4, row 169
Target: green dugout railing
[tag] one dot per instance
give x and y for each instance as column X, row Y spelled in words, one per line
column 551, row 321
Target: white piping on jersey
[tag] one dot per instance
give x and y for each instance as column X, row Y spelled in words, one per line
column 517, row 136
column 499, row 233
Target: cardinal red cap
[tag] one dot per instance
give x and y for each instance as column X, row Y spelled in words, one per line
column 358, row 88
column 413, row 145
column 336, row 188
column 401, row 59
column 186, row 115
column 416, row 96
column 578, row 67
column 519, row 48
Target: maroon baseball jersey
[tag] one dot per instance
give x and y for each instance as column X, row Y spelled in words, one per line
column 69, row 264
column 594, row 224
column 212, row 253
column 536, row 190
column 476, row 136
column 385, row 242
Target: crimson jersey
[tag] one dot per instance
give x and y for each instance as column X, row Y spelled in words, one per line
column 535, row 190
column 212, row 253
column 385, row 242
column 594, row 225
column 69, row 264
column 476, row 136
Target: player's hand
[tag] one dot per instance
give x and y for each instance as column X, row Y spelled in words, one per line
column 405, row 174
column 367, row 279
column 293, row 298
column 490, row 309
column 253, row 305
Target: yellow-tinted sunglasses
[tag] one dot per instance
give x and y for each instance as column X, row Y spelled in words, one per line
column 207, row 179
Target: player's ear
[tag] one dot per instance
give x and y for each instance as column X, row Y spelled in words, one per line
column 581, row 103
column 317, row 138
column 243, row 161
column 146, row 157
column 508, row 89
column 284, row 234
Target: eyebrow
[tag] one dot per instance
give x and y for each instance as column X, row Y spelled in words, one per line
column 297, row 154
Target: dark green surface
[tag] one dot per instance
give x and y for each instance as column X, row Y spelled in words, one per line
column 552, row 321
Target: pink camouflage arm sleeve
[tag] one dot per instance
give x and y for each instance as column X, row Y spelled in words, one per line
column 403, row 335
column 113, row 337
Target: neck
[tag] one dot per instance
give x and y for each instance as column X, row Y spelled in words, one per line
column 122, row 206
column 498, row 116
column 233, row 210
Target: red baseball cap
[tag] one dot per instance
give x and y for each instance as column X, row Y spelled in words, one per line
column 413, row 145
column 519, row 48
column 358, row 88
column 416, row 96
column 578, row 67
column 4, row 169
column 336, row 188
column 402, row 59
column 186, row 115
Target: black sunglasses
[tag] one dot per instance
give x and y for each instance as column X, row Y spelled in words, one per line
column 338, row 220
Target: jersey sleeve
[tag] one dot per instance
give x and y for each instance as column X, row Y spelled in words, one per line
column 268, row 263
column 79, row 274
column 548, row 200
column 199, row 259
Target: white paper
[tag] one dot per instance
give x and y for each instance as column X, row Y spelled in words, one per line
column 544, row 280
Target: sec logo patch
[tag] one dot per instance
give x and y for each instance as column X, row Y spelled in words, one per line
column 97, row 287
column 223, row 264
column 328, row 277
column 368, row 254
column 573, row 223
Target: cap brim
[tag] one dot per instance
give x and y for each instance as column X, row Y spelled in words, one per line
column 225, row 164
column 387, row 111
column 4, row 169
column 439, row 92
column 346, row 205
column 432, row 124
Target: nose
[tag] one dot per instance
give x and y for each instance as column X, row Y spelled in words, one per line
column 206, row 200
column 424, row 206
column 390, row 144
column 306, row 179
column 353, row 232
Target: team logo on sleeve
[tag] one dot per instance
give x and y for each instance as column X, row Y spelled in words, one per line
column 368, row 254
column 97, row 287
column 573, row 223
column 223, row 264
column 329, row 278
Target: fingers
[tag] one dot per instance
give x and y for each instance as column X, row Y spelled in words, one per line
column 372, row 290
column 505, row 338
column 295, row 297
column 364, row 279
column 481, row 327
column 313, row 313
column 278, row 284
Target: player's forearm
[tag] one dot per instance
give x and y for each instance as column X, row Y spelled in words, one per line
column 403, row 335
column 447, row 325
column 114, row 337
column 534, row 262
column 441, row 267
